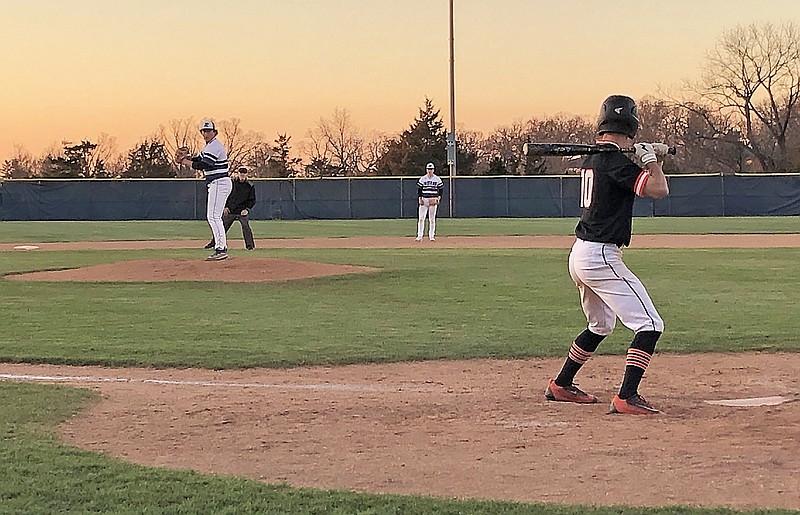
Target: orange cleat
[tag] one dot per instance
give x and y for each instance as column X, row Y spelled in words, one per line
column 569, row 393
column 633, row 405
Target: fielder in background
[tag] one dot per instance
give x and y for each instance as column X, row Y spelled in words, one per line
column 238, row 206
column 213, row 162
column 429, row 192
column 608, row 289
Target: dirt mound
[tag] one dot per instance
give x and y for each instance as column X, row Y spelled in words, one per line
column 231, row 270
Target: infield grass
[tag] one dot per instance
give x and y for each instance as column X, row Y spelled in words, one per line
column 504, row 303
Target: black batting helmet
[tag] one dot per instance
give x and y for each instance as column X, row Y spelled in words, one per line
column 618, row 114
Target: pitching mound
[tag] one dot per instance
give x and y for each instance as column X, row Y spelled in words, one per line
column 231, row 270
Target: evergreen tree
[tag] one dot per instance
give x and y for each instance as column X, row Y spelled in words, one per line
column 75, row 163
column 149, row 159
column 425, row 141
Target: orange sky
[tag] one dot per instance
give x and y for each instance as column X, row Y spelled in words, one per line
column 73, row 70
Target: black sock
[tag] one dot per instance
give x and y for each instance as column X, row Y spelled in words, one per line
column 579, row 353
column 637, row 361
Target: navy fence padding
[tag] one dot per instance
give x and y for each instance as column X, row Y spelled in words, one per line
column 323, row 198
column 376, row 198
column 700, row 196
column 761, row 195
column 476, row 195
column 387, row 197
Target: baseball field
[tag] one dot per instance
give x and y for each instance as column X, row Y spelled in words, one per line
column 342, row 367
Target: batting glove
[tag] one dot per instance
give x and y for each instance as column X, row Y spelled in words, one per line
column 661, row 149
column 646, row 153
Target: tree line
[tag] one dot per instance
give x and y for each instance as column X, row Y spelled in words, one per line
column 740, row 116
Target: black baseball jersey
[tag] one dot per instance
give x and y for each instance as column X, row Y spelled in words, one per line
column 610, row 182
column 243, row 196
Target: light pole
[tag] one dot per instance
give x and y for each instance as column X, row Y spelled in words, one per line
column 451, row 136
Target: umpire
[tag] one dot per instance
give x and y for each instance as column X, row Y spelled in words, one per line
column 238, row 206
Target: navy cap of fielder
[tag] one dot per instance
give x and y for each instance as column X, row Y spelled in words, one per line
column 208, row 125
column 429, row 166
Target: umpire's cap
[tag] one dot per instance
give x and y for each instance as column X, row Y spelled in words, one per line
column 242, row 169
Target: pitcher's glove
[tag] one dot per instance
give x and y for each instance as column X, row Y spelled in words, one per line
column 433, row 201
column 181, row 154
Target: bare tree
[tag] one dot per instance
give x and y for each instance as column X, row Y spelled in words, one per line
column 503, row 149
column 21, row 165
column 180, row 133
column 375, row 144
column 338, row 140
column 240, row 143
column 103, row 155
column 751, row 82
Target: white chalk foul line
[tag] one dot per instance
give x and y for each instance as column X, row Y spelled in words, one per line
column 219, row 384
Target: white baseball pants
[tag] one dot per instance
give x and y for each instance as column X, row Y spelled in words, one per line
column 428, row 211
column 218, row 191
column 608, row 290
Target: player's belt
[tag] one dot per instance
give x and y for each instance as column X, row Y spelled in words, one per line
column 214, row 176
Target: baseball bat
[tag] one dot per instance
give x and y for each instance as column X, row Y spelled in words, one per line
column 572, row 149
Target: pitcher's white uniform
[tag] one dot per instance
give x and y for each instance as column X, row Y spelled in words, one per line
column 213, row 161
column 429, row 187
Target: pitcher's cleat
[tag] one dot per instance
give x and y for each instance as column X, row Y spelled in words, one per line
column 569, row 393
column 218, row 255
column 633, row 405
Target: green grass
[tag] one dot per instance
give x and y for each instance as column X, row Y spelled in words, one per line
column 42, row 232
column 42, row 476
column 506, row 303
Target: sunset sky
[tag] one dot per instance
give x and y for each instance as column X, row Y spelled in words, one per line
column 72, row 70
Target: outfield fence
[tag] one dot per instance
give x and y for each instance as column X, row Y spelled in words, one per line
column 388, row 197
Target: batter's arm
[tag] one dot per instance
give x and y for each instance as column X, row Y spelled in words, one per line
column 656, row 186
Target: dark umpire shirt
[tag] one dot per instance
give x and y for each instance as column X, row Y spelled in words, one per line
column 243, row 196
column 609, row 185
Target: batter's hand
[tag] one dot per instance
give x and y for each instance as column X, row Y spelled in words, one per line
column 661, row 149
column 646, row 153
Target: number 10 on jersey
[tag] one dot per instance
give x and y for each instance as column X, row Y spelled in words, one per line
column 587, row 185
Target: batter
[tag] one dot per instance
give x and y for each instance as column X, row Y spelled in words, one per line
column 608, row 289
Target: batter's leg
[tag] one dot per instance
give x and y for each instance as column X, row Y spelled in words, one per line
column 636, row 362
column 611, row 280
